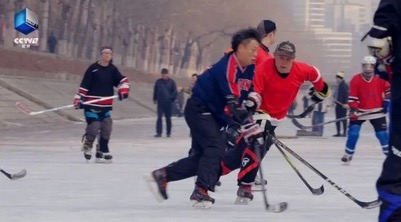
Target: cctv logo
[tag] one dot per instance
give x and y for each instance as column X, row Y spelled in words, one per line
column 26, row 22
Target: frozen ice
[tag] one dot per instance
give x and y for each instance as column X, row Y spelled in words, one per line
column 60, row 186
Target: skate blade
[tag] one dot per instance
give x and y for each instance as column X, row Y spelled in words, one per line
column 152, row 184
column 242, row 201
column 201, row 204
column 101, row 160
column 346, row 163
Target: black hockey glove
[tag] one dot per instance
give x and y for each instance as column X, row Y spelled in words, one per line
column 238, row 113
column 233, row 132
column 318, row 97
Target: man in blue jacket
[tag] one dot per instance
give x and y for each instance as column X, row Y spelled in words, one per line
column 164, row 94
column 215, row 103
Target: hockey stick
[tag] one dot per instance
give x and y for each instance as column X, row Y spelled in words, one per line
column 304, row 113
column 26, row 110
column 365, row 205
column 300, row 126
column 315, row 191
column 276, row 208
column 14, row 176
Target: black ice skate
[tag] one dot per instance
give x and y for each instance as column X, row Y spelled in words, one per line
column 87, row 148
column 201, row 199
column 244, row 194
column 346, row 159
column 103, row 157
column 158, row 184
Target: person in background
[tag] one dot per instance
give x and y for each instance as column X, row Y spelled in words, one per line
column 164, row 95
column 341, row 103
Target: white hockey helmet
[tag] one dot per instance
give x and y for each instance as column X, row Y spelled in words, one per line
column 369, row 60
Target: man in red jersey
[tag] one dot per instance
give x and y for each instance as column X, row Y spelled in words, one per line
column 277, row 81
column 366, row 95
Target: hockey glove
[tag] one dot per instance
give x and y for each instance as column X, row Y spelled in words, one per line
column 253, row 134
column 123, row 89
column 233, row 133
column 238, row 113
column 318, row 97
column 253, row 102
column 354, row 114
column 78, row 102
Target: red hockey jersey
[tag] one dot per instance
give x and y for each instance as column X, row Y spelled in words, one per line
column 367, row 95
column 277, row 92
column 263, row 55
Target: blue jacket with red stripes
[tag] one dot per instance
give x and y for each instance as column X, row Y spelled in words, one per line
column 224, row 78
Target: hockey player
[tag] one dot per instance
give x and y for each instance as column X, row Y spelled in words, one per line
column 387, row 23
column 278, row 81
column 267, row 29
column 366, row 95
column 226, row 83
column 99, row 81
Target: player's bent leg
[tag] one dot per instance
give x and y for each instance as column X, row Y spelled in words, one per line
column 352, row 139
column 103, row 154
column 91, row 132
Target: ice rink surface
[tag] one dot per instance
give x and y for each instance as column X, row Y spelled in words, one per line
column 61, row 187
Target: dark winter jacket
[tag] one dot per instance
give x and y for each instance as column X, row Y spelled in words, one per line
column 342, row 93
column 165, row 91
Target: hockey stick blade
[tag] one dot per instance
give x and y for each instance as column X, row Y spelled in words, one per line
column 277, row 208
column 365, row 205
column 369, row 205
column 22, row 107
column 314, row 191
column 14, row 176
column 304, row 113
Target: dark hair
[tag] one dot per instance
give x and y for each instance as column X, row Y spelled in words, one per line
column 243, row 36
column 265, row 27
column 164, row 71
column 196, row 75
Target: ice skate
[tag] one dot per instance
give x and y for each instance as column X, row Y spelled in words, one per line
column 201, row 199
column 346, row 159
column 258, row 182
column 158, row 184
column 87, row 148
column 244, row 194
column 103, row 157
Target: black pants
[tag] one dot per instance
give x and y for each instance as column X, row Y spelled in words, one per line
column 163, row 108
column 208, row 148
column 341, row 113
column 245, row 157
column 389, row 182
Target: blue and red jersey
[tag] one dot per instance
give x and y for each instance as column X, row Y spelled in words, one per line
column 224, row 78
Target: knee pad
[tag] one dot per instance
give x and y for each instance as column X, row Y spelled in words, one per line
column 92, row 130
column 249, row 166
column 106, row 128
